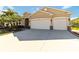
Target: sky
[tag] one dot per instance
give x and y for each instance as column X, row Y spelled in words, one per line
column 32, row 9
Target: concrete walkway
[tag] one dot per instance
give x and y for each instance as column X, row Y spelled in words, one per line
column 34, row 34
column 75, row 31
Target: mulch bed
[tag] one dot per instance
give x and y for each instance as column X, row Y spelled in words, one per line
column 76, row 33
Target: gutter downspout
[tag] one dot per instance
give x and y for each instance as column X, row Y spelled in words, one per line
column 69, row 26
column 51, row 24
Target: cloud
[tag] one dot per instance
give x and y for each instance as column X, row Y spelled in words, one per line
column 36, row 9
column 11, row 7
column 66, row 7
column 73, row 18
column 1, row 8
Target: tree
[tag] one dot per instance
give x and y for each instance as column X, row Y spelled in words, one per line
column 11, row 16
column 2, row 20
column 75, row 22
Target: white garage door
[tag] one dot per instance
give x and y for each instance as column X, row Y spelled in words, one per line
column 40, row 23
column 60, row 23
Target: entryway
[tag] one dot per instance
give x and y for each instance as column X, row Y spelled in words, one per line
column 27, row 23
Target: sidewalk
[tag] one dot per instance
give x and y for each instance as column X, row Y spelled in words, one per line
column 76, row 31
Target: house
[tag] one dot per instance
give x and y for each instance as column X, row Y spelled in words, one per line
column 48, row 18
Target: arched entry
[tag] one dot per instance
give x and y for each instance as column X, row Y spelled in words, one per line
column 27, row 23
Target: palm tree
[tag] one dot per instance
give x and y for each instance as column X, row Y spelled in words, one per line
column 2, row 20
column 11, row 17
column 75, row 22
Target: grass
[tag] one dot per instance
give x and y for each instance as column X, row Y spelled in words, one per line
column 6, row 31
column 3, row 32
column 75, row 28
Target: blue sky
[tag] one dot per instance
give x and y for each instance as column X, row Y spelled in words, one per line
column 32, row 9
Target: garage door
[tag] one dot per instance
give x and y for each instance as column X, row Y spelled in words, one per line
column 40, row 23
column 60, row 24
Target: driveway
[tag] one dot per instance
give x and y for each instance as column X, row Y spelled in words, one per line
column 11, row 43
column 38, row 34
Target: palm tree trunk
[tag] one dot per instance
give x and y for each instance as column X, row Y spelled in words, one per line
column 16, row 24
column 2, row 24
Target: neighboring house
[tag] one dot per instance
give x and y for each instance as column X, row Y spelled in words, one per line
column 48, row 18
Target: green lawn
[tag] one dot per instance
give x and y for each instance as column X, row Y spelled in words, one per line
column 6, row 31
column 75, row 28
column 3, row 32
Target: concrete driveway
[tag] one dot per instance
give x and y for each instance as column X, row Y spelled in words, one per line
column 11, row 43
column 38, row 34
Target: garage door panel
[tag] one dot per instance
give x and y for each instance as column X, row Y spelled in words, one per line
column 43, row 23
column 60, row 24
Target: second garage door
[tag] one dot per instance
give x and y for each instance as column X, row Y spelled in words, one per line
column 60, row 23
column 40, row 23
